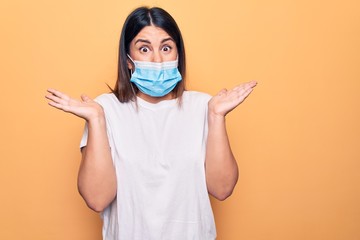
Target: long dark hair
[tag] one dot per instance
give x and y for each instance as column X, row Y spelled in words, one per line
column 141, row 17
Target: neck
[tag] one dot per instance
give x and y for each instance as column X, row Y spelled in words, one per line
column 151, row 99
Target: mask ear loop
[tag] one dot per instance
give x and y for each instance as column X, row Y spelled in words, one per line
column 133, row 62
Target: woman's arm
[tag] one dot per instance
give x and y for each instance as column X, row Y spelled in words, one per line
column 97, row 177
column 220, row 164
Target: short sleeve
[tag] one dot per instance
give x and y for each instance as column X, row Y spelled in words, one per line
column 83, row 141
column 206, row 124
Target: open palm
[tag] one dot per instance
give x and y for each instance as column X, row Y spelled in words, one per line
column 226, row 100
column 85, row 108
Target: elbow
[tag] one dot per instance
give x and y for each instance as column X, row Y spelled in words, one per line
column 222, row 194
column 221, row 189
column 96, row 206
column 97, row 201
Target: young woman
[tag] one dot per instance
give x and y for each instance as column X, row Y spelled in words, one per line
column 152, row 151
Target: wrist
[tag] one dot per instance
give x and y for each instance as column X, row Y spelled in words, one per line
column 215, row 117
column 97, row 117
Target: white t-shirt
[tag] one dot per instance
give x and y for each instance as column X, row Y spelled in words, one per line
column 158, row 152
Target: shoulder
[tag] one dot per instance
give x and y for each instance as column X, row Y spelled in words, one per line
column 195, row 101
column 194, row 95
column 110, row 103
column 109, row 100
column 105, row 98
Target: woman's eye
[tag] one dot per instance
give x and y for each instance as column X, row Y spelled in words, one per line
column 166, row 48
column 144, row 49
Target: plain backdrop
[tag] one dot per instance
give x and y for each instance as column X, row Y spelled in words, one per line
column 296, row 138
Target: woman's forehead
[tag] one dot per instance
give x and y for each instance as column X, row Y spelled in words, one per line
column 152, row 34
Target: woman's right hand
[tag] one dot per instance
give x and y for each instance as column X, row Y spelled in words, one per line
column 87, row 108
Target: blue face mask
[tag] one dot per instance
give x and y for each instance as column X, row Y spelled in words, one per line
column 155, row 79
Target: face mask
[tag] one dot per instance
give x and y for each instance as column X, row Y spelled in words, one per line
column 155, row 79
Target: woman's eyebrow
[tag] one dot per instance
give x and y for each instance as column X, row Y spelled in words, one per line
column 167, row 39
column 142, row 40
column 148, row 42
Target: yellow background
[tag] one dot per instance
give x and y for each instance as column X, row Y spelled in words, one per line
column 296, row 138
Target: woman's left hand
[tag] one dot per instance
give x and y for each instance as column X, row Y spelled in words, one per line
column 226, row 100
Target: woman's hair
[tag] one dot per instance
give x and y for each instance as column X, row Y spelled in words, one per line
column 141, row 17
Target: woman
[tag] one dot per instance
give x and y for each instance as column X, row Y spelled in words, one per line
column 152, row 151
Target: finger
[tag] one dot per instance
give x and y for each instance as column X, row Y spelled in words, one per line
column 240, row 95
column 222, row 91
column 85, row 98
column 252, row 83
column 245, row 94
column 245, row 86
column 56, row 105
column 52, row 98
column 57, row 99
column 58, row 94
